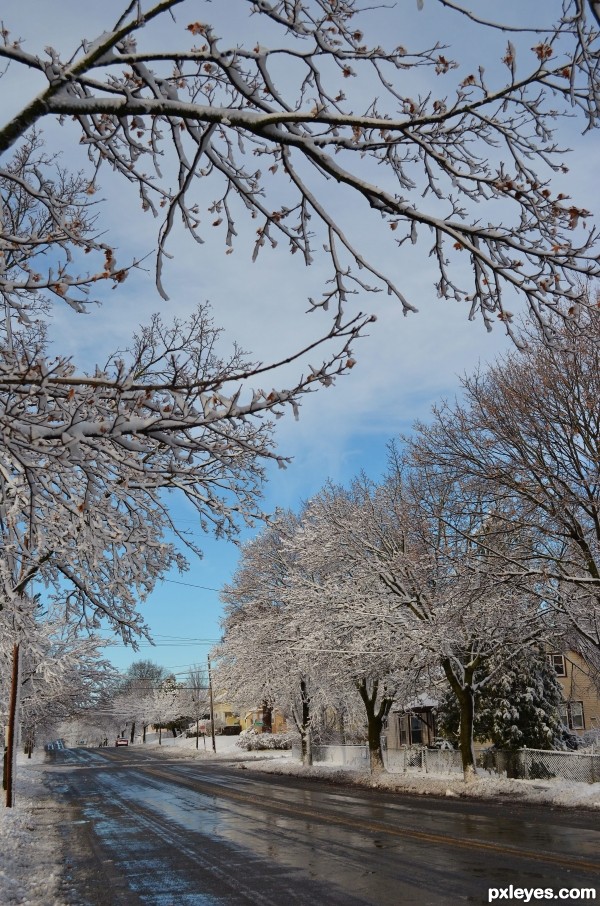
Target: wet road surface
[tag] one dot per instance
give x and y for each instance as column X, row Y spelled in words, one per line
column 143, row 830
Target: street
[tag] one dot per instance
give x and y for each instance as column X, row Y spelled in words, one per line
column 196, row 833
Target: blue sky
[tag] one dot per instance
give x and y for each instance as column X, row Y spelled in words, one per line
column 404, row 365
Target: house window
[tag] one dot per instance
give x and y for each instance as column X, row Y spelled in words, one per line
column 571, row 714
column 403, row 734
column 416, row 730
column 576, row 721
column 558, row 662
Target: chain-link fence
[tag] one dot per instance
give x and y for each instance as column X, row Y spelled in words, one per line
column 396, row 761
column 353, row 757
column 524, row 764
column 537, row 764
column 430, row 761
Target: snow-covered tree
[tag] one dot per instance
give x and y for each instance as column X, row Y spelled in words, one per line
column 344, row 618
column 63, row 675
column 518, row 706
column 441, row 607
column 264, row 123
column 195, row 698
column 86, row 462
column 525, row 431
column 135, row 698
column 258, row 660
column 165, row 701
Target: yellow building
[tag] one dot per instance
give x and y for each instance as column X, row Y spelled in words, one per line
column 265, row 720
column 581, row 710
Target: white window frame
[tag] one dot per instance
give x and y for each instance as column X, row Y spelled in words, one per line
column 576, row 716
column 558, row 662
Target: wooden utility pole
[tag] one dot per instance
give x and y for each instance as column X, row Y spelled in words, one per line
column 212, row 709
column 13, row 707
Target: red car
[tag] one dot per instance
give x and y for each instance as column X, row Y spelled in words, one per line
column 121, row 741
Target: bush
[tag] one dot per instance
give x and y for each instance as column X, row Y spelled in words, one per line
column 590, row 738
column 253, row 741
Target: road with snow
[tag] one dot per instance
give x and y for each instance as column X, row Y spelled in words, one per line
column 139, row 830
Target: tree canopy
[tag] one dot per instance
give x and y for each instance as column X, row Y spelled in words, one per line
column 242, row 128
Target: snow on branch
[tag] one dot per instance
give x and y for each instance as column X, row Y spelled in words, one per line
column 468, row 163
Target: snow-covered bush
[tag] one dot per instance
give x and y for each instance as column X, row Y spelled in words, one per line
column 590, row 739
column 253, row 741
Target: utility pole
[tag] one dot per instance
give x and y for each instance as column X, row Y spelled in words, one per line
column 11, row 748
column 10, row 754
column 212, row 709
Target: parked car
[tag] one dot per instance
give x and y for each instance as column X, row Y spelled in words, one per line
column 121, row 741
column 231, row 730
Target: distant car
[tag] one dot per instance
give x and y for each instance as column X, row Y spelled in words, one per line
column 121, row 741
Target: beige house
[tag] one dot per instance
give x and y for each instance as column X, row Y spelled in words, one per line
column 581, row 710
column 265, row 720
column 415, row 724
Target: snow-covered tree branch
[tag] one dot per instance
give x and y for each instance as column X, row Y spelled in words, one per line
column 210, row 131
column 526, row 433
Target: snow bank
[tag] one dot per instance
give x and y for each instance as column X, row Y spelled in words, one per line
column 552, row 792
column 31, row 859
column 568, row 794
column 226, row 748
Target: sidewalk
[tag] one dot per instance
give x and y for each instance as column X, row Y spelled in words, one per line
column 31, row 858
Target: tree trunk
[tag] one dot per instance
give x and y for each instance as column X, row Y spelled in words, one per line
column 466, row 700
column 375, row 719
column 267, row 717
column 467, row 716
column 132, row 732
column 305, row 735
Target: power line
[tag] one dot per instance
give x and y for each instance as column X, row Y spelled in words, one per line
column 191, row 585
column 181, row 644
column 185, row 638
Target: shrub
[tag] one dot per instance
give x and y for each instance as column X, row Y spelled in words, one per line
column 253, row 741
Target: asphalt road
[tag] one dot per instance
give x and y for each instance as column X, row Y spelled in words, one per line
column 142, row 830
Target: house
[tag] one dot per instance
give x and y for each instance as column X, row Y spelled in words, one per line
column 226, row 718
column 412, row 725
column 415, row 723
column 581, row 709
column 265, row 720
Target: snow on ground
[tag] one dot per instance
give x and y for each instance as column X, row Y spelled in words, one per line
column 552, row 792
column 31, row 859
